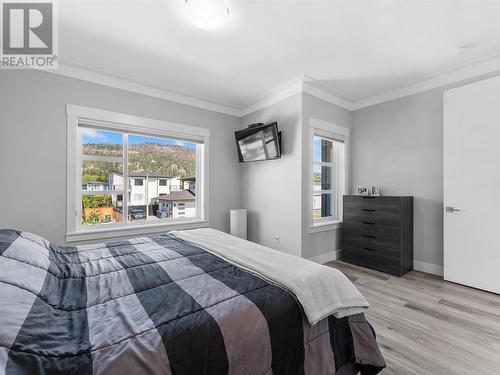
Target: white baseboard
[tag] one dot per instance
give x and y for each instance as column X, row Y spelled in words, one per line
column 327, row 257
column 431, row 268
column 435, row 269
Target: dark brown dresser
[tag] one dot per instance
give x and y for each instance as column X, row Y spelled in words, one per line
column 378, row 233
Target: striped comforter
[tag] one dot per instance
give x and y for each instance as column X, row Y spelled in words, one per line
column 158, row 305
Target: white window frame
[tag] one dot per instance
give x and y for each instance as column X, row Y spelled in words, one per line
column 334, row 132
column 113, row 121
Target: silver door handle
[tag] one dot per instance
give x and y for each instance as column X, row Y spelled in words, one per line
column 452, row 209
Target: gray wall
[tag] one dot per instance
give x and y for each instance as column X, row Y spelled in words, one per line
column 316, row 244
column 271, row 190
column 398, row 145
column 33, row 147
column 276, row 192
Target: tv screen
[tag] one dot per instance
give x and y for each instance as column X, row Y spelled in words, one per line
column 259, row 142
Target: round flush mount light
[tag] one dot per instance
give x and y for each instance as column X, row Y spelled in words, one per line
column 207, row 14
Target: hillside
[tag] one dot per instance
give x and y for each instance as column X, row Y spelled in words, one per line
column 144, row 157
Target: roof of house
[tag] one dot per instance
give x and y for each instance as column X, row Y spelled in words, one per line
column 188, row 179
column 181, row 195
column 148, row 174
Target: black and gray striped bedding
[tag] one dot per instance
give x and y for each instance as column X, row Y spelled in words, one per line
column 158, row 305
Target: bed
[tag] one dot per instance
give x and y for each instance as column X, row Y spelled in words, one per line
column 186, row 302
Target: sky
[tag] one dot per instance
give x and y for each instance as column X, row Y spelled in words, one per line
column 102, row 136
column 317, row 148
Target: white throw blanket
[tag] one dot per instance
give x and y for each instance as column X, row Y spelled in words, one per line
column 321, row 290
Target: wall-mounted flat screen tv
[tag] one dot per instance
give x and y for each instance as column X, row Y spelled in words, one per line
column 259, row 142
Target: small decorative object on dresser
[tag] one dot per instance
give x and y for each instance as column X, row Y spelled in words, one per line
column 375, row 191
column 378, row 233
column 362, row 190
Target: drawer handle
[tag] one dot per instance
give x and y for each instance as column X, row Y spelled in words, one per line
column 369, row 236
column 368, row 222
column 368, row 248
column 368, row 210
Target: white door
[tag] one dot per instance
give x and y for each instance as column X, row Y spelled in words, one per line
column 472, row 185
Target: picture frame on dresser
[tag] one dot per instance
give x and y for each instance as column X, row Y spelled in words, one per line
column 363, row 190
column 377, row 232
column 375, row 191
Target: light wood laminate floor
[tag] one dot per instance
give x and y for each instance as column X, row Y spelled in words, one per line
column 425, row 325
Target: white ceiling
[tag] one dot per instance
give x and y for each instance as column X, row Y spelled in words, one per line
column 353, row 49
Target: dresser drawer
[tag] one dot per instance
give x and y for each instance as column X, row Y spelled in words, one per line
column 381, row 204
column 371, row 216
column 378, row 245
column 372, row 228
column 372, row 259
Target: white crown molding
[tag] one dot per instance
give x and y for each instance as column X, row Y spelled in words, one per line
column 442, row 78
column 105, row 79
column 293, row 87
column 274, row 96
column 445, row 77
column 328, row 97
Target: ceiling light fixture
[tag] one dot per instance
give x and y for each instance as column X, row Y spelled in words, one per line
column 207, row 14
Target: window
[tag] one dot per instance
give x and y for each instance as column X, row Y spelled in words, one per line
column 105, row 148
column 329, row 173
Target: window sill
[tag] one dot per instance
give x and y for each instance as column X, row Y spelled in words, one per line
column 133, row 230
column 325, row 226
